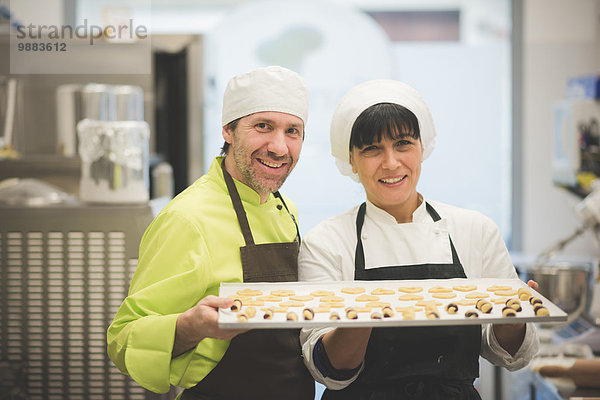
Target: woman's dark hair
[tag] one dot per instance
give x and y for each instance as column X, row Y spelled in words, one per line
column 393, row 120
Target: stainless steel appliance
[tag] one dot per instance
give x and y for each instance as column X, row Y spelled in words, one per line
column 48, row 106
column 64, row 271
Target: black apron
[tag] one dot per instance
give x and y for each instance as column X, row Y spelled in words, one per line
column 415, row 362
column 260, row 364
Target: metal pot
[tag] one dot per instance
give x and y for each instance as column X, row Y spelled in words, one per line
column 565, row 284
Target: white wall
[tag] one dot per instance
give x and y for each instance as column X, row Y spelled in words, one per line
column 561, row 40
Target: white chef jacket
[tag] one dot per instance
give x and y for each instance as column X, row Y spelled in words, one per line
column 327, row 253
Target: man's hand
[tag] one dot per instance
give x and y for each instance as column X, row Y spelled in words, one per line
column 201, row 321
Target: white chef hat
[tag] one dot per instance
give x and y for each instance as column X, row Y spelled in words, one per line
column 270, row 88
column 365, row 95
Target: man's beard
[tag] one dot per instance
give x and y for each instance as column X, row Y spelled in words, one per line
column 256, row 181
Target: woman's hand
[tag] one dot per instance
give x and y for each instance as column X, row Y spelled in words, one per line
column 511, row 336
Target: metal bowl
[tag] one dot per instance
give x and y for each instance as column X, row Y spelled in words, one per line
column 565, row 284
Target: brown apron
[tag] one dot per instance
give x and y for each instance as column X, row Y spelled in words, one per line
column 260, row 364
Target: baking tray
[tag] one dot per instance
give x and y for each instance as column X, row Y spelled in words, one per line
column 262, row 300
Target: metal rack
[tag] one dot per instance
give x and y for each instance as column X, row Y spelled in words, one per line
column 64, row 272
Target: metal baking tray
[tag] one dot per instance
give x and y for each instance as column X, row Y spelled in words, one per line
column 264, row 301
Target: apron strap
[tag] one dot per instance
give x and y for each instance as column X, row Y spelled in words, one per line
column 359, row 253
column 237, row 206
column 280, row 197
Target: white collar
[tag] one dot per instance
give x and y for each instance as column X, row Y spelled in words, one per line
column 381, row 216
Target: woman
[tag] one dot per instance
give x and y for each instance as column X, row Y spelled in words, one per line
column 380, row 134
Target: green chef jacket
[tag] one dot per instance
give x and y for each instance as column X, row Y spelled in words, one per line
column 186, row 252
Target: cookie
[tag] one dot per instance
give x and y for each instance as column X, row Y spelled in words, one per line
column 283, row 293
column 484, row 305
column 291, row 304
column 387, row 312
column 291, row 316
column 236, row 306
column 466, row 302
column 514, row 303
column 428, row 303
column 269, row 298
column 331, row 299
column 432, row 314
column 471, row 314
column 508, row 312
column 301, row 298
column 377, row 304
column 351, row 313
column 524, row 294
column 509, row 292
column 499, row 300
column 321, row 293
column 336, row 305
column 279, row 309
column 451, row 308
column 334, row 316
column 258, row 303
column 376, row 315
column 495, row 288
column 308, row 314
column 382, row 292
column 353, row 290
column 249, row 292
column 440, row 289
column 242, row 317
column 250, row 312
column 367, row 297
column 444, row 295
column 322, row 309
column 410, row 297
column 268, row 313
column 410, row 289
column 534, row 300
column 464, row 288
column 476, row 295
column 540, row 311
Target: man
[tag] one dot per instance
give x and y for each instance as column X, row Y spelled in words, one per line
column 231, row 225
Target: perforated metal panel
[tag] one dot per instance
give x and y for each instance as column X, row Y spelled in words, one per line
column 63, row 275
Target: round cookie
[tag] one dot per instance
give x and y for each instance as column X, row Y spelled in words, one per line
column 451, row 308
column 308, row 314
